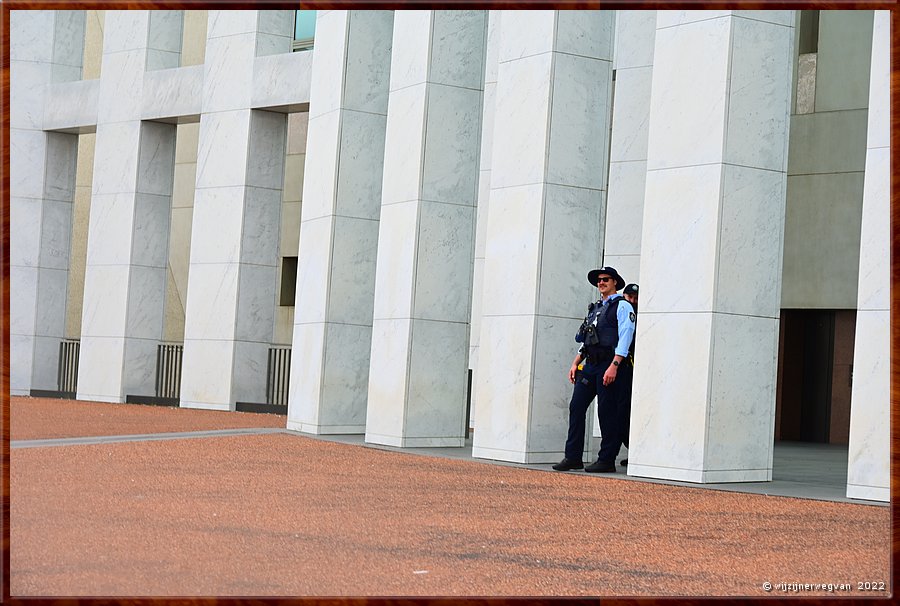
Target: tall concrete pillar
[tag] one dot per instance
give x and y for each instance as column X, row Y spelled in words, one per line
column 418, row 373
column 42, row 189
column 869, row 461
column 339, row 222
column 230, row 309
column 544, row 226
column 125, row 270
column 711, row 246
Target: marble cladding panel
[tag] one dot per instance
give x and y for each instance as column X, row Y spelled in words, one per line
column 670, row 18
column 307, row 368
column 404, row 131
column 280, row 23
column 259, row 236
column 184, row 178
column 227, row 72
column 586, row 33
column 388, row 378
column 625, row 208
column 180, row 252
column 411, row 48
column 821, row 237
column 329, row 67
column 50, row 315
column 64, row 73
column 555, row 348
column 146, row 303
column 255, row 303
column 100, row 368
column 360, row 165
column 869, row 451
column 116, row 150
column 635, row 35
column 481, row 213
column 105, row 300
column 443, row 262
column 156, row 164
column 59, row 182
column 27, row 95
column 369, row 61
column 398, row 233
column 45, row 369
column 759, row 101
column 265, row 159
column 514, row 232
column 492, row 46
column 579, row 122
column 224, row 208
column 230, row 23
column 502, row 395
column 158, row 60
column 23, row 305
column 25, row 231
column 125, row 30
column 314, row 263
column 70, row 105
column 206, row 374
column 282, row 79
column 272, row 44
column 29, row 31
column 139, row 367
column 680, row 229
column 572, row 226
column 121, row 88
column 186, row 142
column 56, row 229
column 526, row 33
column 751, row 233
column 475, row 319
column 688, row 108
column 166, row 29
column 321, row 169
column 670, row 401
column 879, row 132
column 806, row 84
column 248, row 382
column 453, row 127
column 211, row 302
column 458, row 48
column 775, row 17
column 345, row 378
column 487, row 125
column 742, row 374
column 628, row 266
column 438, row 380
column 298, row 130
column 844, row 59
column 827, row 142
column 111, row 229
column 222, row 152
column 875, row 238
column 631, row 115
column 27, row 162
column 522, row 120
column 353, row 269
column 21, row 364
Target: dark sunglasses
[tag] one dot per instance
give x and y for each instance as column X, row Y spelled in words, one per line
column 603, row 279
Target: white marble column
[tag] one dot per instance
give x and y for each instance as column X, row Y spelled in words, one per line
column 869, row 461
column 418, row 373
column 544, row 226
column 339, row 222
column 230, row 309
column 491, row 67
column 41, row 190
column 125, row 271
column 711, row 246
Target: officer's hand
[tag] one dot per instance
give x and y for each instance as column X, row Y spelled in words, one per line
column 572, row 373
column 610, row 375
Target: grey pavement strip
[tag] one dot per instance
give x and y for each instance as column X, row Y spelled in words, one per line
column 212, row 433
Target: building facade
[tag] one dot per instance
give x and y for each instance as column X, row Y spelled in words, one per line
column 380, row 222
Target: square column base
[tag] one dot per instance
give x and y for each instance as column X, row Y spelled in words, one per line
column 415, row 442
column 869, row 493
column 206, row 406
column 320, row 430
column 713, row 476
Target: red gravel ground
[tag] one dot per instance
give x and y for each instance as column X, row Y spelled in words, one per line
column 287, row 515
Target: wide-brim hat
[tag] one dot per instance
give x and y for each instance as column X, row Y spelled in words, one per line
column 609, row 271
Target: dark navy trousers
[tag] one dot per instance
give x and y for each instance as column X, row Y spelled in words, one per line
column 613, row 410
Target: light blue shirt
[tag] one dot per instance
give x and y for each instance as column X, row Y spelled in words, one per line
column 626, row 317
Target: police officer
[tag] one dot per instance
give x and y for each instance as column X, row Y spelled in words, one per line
column 631, row 295
column 606, row 335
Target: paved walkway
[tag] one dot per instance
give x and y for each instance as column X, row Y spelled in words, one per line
column 122, row 500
